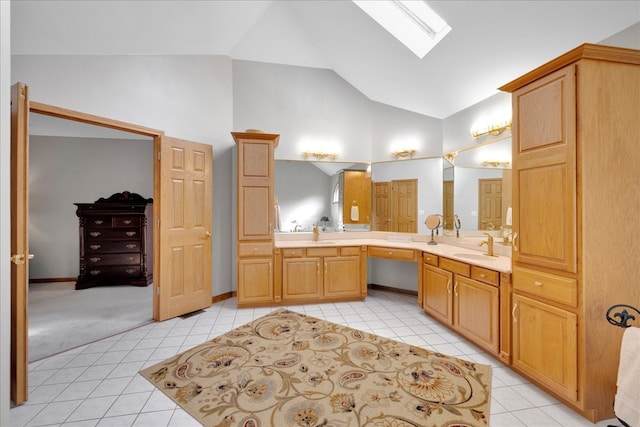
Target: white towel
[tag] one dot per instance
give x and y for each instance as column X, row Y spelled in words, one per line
column 508, row 219
column 627, row 401
column 355, row 213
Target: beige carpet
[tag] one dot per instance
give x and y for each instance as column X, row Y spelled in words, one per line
column 288, row 369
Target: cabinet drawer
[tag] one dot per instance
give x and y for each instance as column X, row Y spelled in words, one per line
column 392, row 253
column 555, row 288
column 430, row 259
column 485, row 275
column 112, row 233
column 313, row 252
column 256, row 249
column 350, row 250
column 112, row 247
column 293, row 252
column 112, row 259
column 455, row 266
column 98, row 221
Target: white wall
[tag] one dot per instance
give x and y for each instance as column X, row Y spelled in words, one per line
column 64, row 171
column 187, row 96
column 5, row 213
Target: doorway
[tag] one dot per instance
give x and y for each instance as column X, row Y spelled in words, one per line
column 489, row 204
column 63, row 170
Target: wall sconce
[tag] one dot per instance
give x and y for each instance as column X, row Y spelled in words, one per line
column 319, row 155
column 496, row 163
column 403, row 154
column 492, row 129
column 451, row 157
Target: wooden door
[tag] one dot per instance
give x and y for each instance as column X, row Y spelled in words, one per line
column 476, row 312
column 404, row 205
column 436, row 293
column 545, row 344
column 185, row 255
column 357, row 192
column 447, row 205
column 301, row 278
column 381, row 206
column 19, row 242
column 489, row 204
column 342, row 276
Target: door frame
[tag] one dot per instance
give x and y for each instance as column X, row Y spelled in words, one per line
column 155, row 134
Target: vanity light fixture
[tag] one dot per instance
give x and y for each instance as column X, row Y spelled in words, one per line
column 319, row 155
column 496, row 163
column 492, row 129
column 403, row 154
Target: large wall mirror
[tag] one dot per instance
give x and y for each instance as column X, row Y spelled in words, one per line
column 308, row 193
column 477, row 186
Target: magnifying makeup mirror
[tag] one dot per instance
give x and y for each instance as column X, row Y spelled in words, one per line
column 432, row 222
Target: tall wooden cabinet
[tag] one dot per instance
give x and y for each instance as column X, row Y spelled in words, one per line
column 575, row 189
column 255, row 217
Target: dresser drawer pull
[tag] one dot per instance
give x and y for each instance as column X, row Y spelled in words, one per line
column 130, row 258
column 95, row 247
column 127, row 221
column 94, row 272
column 130, row 271
column 130, row 233
column 95, row 233
column 95, row 259
column 483, row 275
column 537, row 283
column 131, row 246
column 390, row 253
column 98, row 222
column 428, row 258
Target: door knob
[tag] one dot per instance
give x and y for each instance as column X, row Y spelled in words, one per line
column 19, row 259
column 207, row 234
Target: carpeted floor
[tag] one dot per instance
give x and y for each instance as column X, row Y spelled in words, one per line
column 61, row 318
column 290, row 369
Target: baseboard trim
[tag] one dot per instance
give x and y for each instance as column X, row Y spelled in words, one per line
column 391, row 289
column 222, row 297
column 54, row 279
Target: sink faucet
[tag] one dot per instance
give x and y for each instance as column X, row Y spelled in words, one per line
column 489, row 243
column 316, row 233
column 298, row 228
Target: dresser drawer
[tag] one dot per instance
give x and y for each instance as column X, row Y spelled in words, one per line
column 392, row 253
column 255, row 249
column 555, row 288
column 485, row 275
column 124, row 221
column 102, row 272
column 112, row 233
column 110, row 246
column 430, row 259
column 455, row 266
column 112, row 259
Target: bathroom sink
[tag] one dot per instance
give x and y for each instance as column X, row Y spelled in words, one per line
column 474, row 257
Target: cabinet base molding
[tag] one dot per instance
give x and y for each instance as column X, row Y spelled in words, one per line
column 391, row 289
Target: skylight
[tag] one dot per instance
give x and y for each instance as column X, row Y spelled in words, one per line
column 412, row 22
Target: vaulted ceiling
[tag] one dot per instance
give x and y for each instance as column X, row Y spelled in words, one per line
column 491, row 42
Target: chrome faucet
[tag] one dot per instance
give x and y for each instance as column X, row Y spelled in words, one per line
column 489, row 243
column 298, row 228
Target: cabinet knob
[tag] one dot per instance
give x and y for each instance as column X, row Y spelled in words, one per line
column 483, row 275
column 537, row 283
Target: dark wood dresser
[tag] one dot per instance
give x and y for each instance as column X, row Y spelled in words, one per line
column 116, row 241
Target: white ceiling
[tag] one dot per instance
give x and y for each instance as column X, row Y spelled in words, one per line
column 491, row 43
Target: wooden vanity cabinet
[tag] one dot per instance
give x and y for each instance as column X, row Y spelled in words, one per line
column 575, row 134
column 465, row 298
column 255, row 217
column 323, row 273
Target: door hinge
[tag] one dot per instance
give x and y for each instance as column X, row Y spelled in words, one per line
column 158, row 290
column 159, row 155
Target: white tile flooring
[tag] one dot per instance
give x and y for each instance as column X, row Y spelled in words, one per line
column 98, row 384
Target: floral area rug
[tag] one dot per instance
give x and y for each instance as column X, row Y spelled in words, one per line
column 288, row 369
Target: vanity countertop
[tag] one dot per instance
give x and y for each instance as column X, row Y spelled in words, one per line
column 499, row 263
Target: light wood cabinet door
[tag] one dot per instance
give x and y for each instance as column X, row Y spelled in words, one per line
column 545, row 344
column 544, row 172
column 301, row 278
column 342, row 276
column 437, row 293
column 255, row 280
column 476, row 308
column 357, row 192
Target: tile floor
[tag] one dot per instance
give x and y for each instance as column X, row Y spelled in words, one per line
column 98, row 384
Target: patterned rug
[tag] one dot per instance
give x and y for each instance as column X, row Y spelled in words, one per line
column 289, row 369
